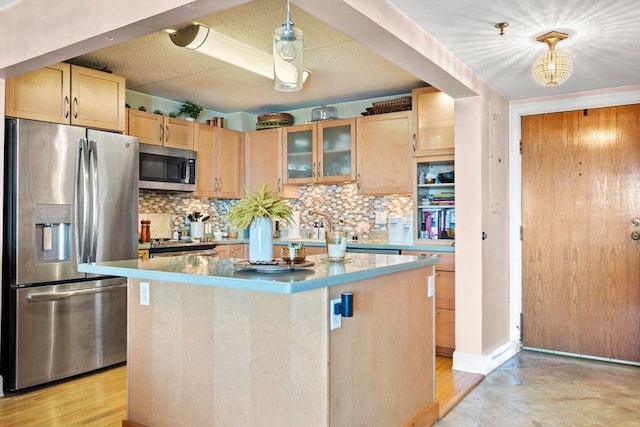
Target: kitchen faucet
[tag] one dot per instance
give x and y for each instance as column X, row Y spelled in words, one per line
column 326, row 216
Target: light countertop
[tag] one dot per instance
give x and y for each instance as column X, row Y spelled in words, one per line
column 216, row 271
column 422, row 245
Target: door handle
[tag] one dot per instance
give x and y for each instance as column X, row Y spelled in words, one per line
column 66, row 107
column 75, row 108
column 53, row 296
column 635, row 235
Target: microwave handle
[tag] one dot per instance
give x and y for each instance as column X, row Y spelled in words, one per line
column 184, row 170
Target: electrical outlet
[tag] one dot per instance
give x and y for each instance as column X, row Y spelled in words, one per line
column 431, row 286
column 336, row 319
column 144, row 293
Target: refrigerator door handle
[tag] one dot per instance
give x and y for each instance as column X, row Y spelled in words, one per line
column 53, row 296
column 80, row 201
column 94, row 196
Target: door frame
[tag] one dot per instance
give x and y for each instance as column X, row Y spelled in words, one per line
column 575, row 101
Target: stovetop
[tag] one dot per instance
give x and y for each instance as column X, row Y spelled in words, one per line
column 166, row 243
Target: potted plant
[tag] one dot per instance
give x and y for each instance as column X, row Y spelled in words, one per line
column 190, row 109
column 258, row 211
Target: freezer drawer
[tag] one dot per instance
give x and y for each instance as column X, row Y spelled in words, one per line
column 64, row 330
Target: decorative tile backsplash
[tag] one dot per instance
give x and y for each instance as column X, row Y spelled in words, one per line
column 341, row 202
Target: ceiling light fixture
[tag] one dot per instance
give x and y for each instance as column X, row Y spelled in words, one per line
column 501, row 26
column 205, row 40
column 287, row 56
column 554, row 67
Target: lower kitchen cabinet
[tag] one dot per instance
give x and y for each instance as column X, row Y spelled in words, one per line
column 143, row 253
column 311, row 250
column 445, row 301
column 232, row 251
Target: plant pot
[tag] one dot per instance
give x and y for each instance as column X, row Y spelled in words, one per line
column 261, row 240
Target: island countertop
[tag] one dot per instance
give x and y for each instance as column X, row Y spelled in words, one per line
column 221, row 272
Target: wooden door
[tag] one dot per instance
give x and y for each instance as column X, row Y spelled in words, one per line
column 384, row 156
column 97, row 99
column 263, row 156
column 42, row 94
column 434, row 117
column 148, row 127
column 204, row 146
column 229, row 163
column 178, row 133
column 581, row 269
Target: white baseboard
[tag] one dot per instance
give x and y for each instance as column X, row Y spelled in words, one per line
column 485, row 363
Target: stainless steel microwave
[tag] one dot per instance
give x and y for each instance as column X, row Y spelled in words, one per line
column 165, row 168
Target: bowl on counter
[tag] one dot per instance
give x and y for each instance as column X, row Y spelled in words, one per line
column 300, row 255
column 217, row 235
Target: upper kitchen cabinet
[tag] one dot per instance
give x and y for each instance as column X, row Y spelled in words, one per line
column 320, row 152
column 384, row 154
column 220, row 162
column 434, row 122
column 263, row 162
column 157, row 129
column 68, row 94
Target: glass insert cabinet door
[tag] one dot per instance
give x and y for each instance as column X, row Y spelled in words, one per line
column 300, row 157
column 322, row 152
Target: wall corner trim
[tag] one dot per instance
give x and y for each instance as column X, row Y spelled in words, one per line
column 485, row 363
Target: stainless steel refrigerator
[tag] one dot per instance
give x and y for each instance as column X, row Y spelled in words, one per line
column 70, row 196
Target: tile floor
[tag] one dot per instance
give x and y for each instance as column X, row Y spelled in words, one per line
column 539, row 389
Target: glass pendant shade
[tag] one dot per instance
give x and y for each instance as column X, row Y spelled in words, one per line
column 553, row 67
column 288, row 74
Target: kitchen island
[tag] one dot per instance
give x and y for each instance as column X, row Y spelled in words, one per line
column 219, row 346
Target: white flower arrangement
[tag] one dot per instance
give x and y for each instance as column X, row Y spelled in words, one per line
column 363, row 227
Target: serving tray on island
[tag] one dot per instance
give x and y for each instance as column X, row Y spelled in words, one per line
column 275, row 266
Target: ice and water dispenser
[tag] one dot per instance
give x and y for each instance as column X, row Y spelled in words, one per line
column 53, row 233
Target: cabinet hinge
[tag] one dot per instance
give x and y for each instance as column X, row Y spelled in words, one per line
column 520, row 233
column 520, row 326
column 520, row 146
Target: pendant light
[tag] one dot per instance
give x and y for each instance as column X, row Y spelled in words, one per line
column 554, row 67
column 287, row 56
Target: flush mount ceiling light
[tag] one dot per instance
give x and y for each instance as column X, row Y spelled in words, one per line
column 554, row 67
column 205, row 40
column 287, row 56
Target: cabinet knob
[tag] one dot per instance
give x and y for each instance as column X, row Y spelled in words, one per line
column 166, row 133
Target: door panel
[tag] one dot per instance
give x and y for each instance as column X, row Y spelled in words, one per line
column 581, row 269
column 65, row 330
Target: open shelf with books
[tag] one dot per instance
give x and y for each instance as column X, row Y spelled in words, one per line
column 435, row 198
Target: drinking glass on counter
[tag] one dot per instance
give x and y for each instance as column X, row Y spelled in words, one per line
column 336, row 245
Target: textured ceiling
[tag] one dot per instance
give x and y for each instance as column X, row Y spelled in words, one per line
column 604, row 43
column 341, row 69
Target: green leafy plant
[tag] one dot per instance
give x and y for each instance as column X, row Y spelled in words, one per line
column 173, row 115
column 262, row 204
column 142, row 108
column 158, row 112
column 190, row 109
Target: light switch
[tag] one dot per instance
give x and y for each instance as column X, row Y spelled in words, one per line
column 144, row 293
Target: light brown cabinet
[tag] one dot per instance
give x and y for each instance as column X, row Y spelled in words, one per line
column 384, row 159
column 434, row 122
column 143, row 253
column 220, row 163
column 232, row 251
column 263, row 162
column 311, row 250
column 68, row 94
column 157, row 129
column 320, row 152
column 445, row 300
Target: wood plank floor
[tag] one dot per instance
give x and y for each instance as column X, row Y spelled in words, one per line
column 452, row 386
column 99, row 400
